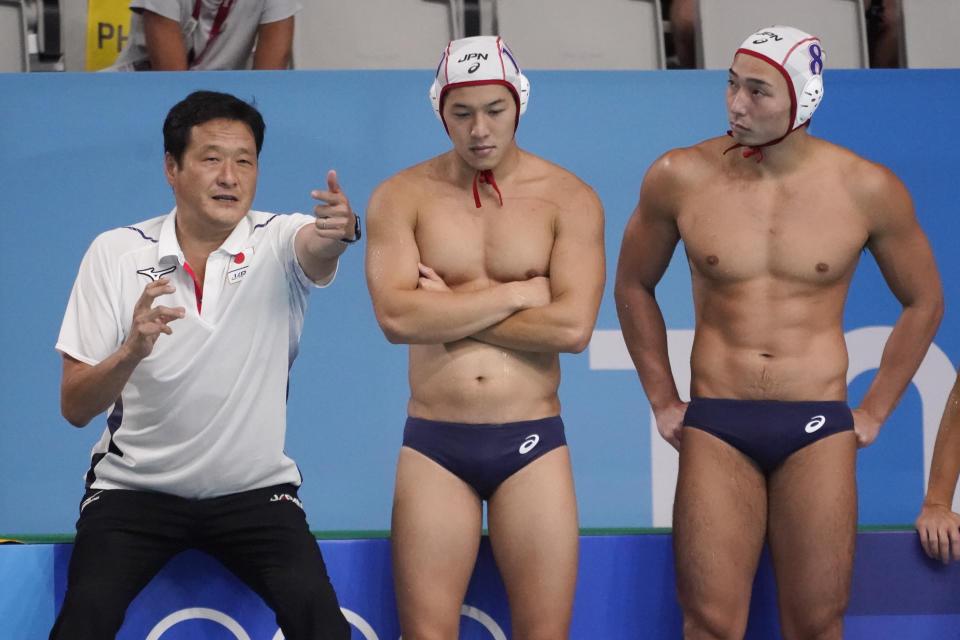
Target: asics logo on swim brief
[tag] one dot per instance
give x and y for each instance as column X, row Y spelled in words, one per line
column 815, row 423
column 529, row 443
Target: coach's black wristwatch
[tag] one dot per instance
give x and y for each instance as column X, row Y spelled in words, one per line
column 356, row 230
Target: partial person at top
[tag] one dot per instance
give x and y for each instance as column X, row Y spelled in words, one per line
column 205, row 35
column 884, row 33
column 883, row 24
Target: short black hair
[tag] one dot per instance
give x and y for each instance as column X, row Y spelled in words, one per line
column 200, row 107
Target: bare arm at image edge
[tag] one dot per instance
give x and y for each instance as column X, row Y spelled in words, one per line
column 938, row 526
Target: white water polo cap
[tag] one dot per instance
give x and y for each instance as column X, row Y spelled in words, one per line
column 799, row 57
column 474, row 61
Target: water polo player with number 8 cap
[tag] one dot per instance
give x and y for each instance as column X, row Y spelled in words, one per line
column 767, row 441
column 799, row 57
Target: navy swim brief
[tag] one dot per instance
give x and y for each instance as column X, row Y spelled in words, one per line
column 484, row 455
column 768, row 431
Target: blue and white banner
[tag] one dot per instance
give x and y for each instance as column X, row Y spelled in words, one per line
column 625, row 590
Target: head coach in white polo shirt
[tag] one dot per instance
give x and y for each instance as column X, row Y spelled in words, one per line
column 183, row 328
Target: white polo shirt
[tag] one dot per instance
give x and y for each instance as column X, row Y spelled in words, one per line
column 204, row 414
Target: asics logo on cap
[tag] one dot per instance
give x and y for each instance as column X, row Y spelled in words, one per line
column 529, row 443
column 815, row 423
column 473, row 67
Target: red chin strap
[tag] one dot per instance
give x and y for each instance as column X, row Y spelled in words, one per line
column 485, row 176
column 758, row 150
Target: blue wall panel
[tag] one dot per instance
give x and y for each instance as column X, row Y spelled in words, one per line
column 83, row 153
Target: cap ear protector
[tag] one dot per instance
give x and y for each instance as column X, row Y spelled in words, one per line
column 476, row 61
column 808, row 100
column 799, row 57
